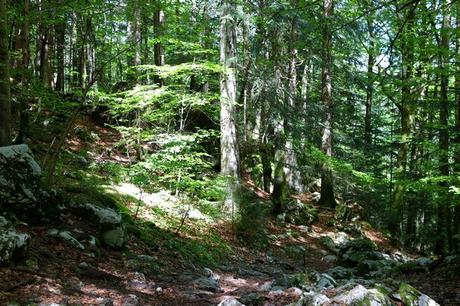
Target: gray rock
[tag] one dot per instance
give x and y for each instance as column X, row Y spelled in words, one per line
column 329, row 258
column 312, row 299
column 325, row 281
column 252, row 299
column 104, row 302
column 357, row 294
column 107, row 217
column 208, row 284
column 340, row 272
column 230, row 302
column 412, row 297
column 21, row 192
column 424, row 261
column 66, row 236
column 131, row 300
column 21, row 153
column 114, row 238
column 12, row 243
column 267, row 286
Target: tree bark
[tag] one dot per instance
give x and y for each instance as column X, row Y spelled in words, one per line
column 5, row 99
column 60, row 29
column 444, row 229
column 229, row 144
column 158, row 56
column 327, row 185
column 457, row 119
column 407, row 112
column 370, row 83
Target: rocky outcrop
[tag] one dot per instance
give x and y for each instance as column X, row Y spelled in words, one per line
column 12, row 243
column 21, row 192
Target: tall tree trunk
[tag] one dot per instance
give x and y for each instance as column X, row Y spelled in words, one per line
column 228, row 141
column 60, row 29
column 457, row 119
column 5, row 101
column 327, row 185
column 158, row 56
column 293, row 176
column 444, row 228
column 370, row 83
column 23, row 44
column 407, row 112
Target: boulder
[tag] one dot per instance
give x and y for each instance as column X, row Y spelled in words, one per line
column 412, row 297
column 230, row 302
column 114, row 238
column 325, row 281
column 359, row 295
column 106, row 218
column 340, row 272
column 21, row 192
column 12, row 244
column 252, row 299
column 312, row 299
column 66, row 236
column 208, row 284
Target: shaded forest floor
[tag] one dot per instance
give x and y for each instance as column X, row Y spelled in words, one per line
column 171, row 256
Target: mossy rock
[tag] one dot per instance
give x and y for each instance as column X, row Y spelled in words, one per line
column 412, row 297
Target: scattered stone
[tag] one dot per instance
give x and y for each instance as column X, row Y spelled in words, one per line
column 355, row 295
column 106, row 217
column 325, row 281
column 208, row 284
column 12, row 244
column 267, row 286
column 104, row 302
column 330, row 258
column 424, row 261
column 66, row 236
column 114, row 238
column 21, row 192
column 340, row 272
column 131, row 300
column 412, row 297
column 230, row 302
column 252, row 299
column 312, row 299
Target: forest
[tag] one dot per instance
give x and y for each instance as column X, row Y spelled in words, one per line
column 230, row 152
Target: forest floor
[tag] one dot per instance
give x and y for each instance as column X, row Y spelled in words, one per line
column 166, row 261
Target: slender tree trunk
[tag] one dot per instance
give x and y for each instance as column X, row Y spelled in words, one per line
column 370, row 83
column 293, row 176
column 407, row 112
column 60, row 29
column 5, row 101
column 327, row 184
column 444, row 229
column 23, row 66
column 158, row 56
column 457, row 119
column 228, row 141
